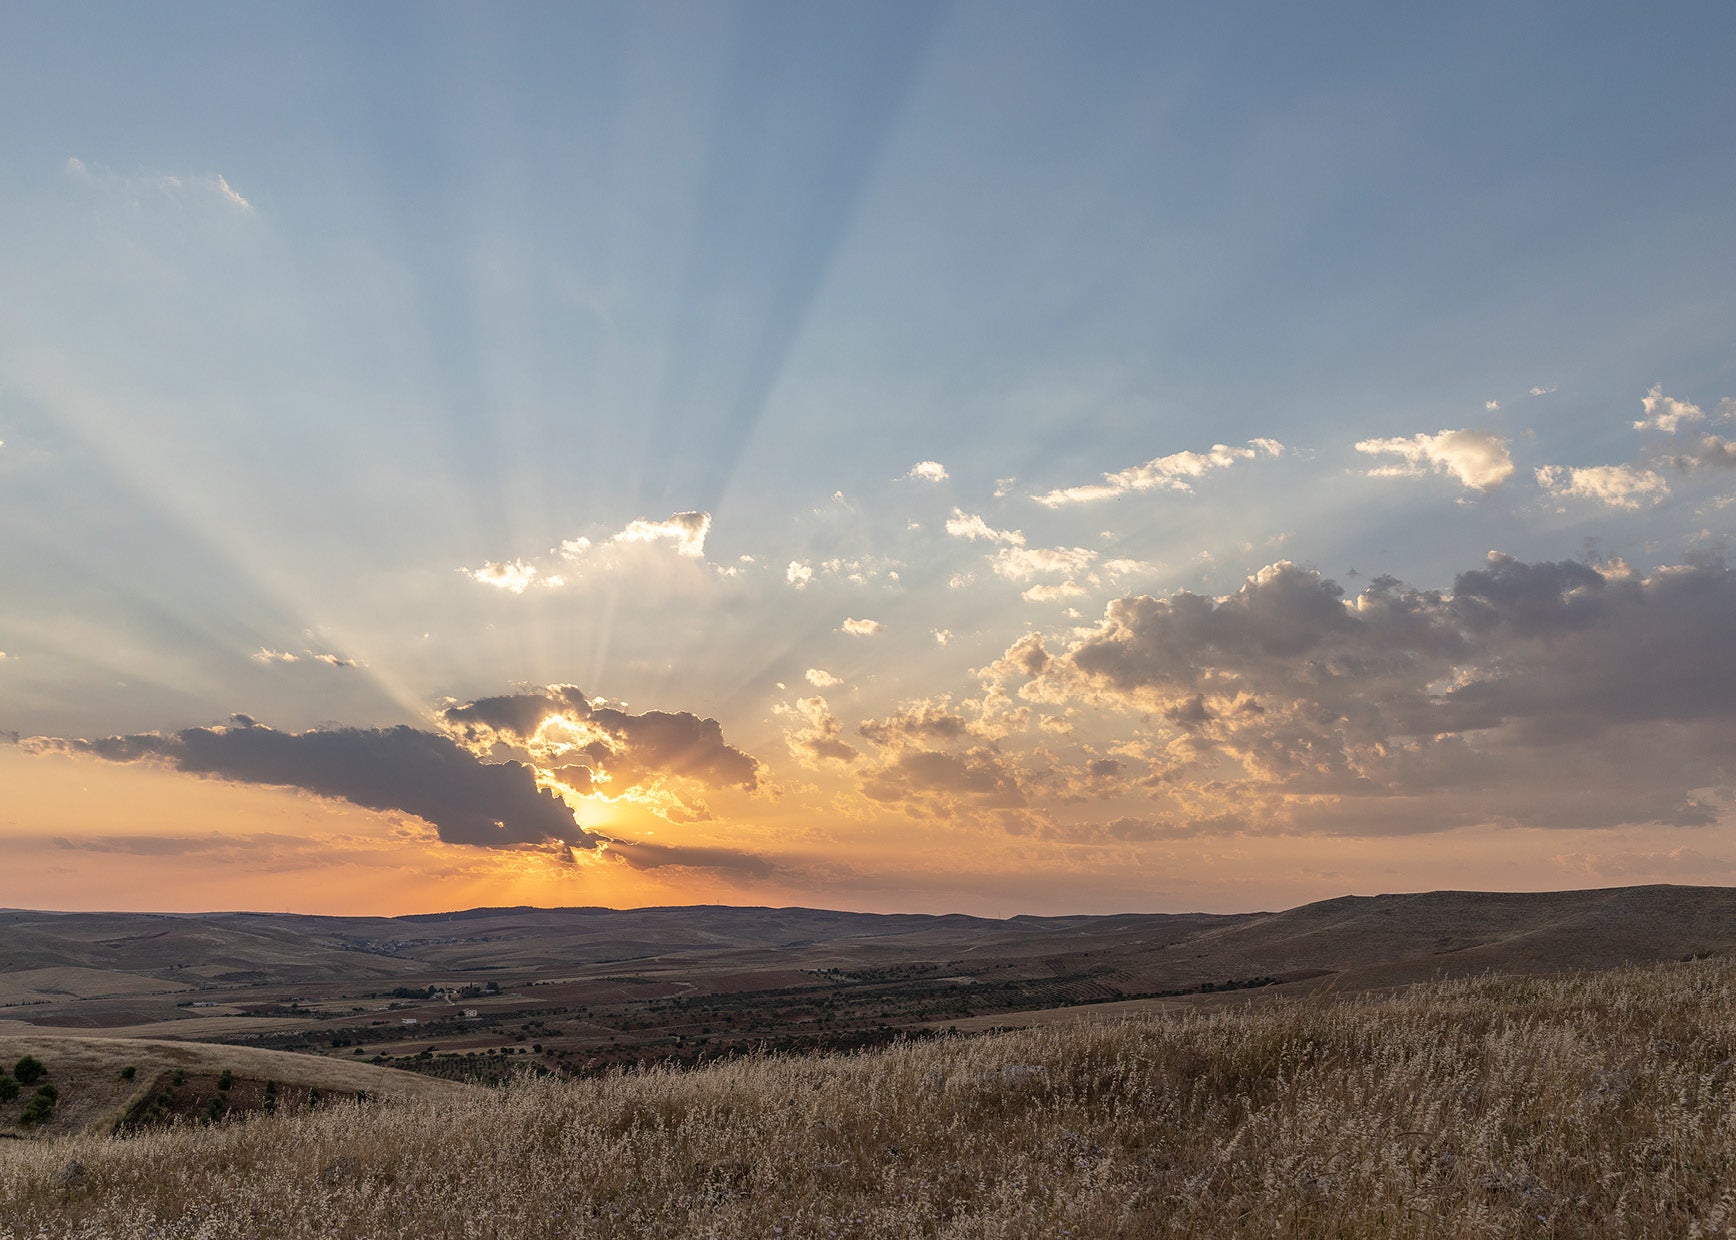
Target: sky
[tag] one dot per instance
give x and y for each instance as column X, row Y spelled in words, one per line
column 997, row 458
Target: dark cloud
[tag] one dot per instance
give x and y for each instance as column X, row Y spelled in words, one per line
column 641, row 855
column 467, row 801
column 635, row 750
column 1550, row 694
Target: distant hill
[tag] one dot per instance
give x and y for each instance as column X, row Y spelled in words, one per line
column 656, row 980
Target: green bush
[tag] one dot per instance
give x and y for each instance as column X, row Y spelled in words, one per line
column 40, row 1106
column 8, row 1087
column 226, row 1079
column 29, row 1070
column 129, row 1072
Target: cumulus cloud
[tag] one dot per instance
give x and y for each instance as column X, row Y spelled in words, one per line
column 686, row 531
column 1170, row 473
column 597, row 749
column 821, row 679
column 928, row 471
column 1543, row 694
column 1665, row 413
column 1478, row 459
column 1619, row 486
column 513, row 576
column 632, row 546
column 1715, row 452
column 799, row 574
column 861, row 628
column 1024, row 563
column 403, row 769
column 970, row 525
column 817, row 738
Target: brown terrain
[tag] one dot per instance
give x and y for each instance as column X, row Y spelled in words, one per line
column 489, row 994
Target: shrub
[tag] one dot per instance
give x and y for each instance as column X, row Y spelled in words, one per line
column 225, row 1079
column 129, row 1072
column 40, row 1106
column 29, row 1070
column 8, row 1087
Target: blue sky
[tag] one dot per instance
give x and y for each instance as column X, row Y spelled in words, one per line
column 321, row 329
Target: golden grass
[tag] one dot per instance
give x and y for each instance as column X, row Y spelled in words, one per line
column 1592, row 1105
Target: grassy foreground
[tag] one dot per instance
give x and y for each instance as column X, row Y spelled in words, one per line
column 1594, row 1105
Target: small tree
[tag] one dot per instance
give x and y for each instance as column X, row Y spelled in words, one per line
column 8, row 1087
column 29, row 1070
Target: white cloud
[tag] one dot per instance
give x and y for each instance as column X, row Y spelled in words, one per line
column 1619, row 486
column 821, row 679
column 332, row 660
column 928, row 471
column 1491, row 405
column 942, row 636
column 1665, row 413
column 799, row 574
column 1170, row 473
column 1544, row 391
column 969, row 525
column 1023, row 563
column 687, row 530
column 263, row 655
column 1478, row 459
column 1052, row 593
column 181, row 189
column 861, row 628
column 514, row 576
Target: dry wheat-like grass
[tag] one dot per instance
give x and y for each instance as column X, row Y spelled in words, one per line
column 1593, row 1105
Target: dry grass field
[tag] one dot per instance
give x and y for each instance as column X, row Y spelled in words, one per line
column 1593, row 1105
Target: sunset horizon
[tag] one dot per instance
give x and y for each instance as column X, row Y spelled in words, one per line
column 901, row 459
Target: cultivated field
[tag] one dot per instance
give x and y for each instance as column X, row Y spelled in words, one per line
column 1591, row 1105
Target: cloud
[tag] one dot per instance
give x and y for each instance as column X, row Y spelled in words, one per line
column 799, row 574
column 861, row 628
column 686, row 530
column 1715, row 452
column 1024, row 563
column 1619, row 486
column 1052, row 593
column 332, row 660
column 821, row 679
column 817, row 738
column 640, row 544
column 1542, row 694
column 514, row 576
column 1478, row 459
column 597, row 749
column 1665, row 413
column 969, row 525
column 264, row 655
column 1492, row 405
column 1545, row 391
column 644, row 855
column 177, row 189
column 928, row 471
column 466, row 800
column 1170, row 473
